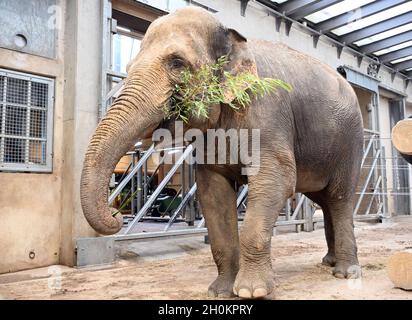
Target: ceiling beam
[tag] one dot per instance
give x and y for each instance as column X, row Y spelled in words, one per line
column 387, row 43
column 398, row 54
column 311, row 8
column 377, row 28
column 292, row 6
column 403, row 65
column 362, row 12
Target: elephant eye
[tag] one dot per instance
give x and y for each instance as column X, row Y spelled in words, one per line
column 177, row 63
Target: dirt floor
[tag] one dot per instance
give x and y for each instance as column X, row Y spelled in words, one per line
column 186, row 273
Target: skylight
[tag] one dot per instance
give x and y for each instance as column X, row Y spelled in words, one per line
column 278, row 1
column 337, row 9
column 409, row 69
column 384, row 35
column 378, row 17
column 394, row 48
column 401, row 59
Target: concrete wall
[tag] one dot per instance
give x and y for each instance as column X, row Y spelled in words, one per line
column 30, row 203
column 41, row 212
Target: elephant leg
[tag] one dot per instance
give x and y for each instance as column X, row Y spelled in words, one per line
column 218, row 201
column 268, row 191
column 329, row 259
column 341, row 212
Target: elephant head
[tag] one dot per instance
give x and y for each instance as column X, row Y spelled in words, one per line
column 188, row 38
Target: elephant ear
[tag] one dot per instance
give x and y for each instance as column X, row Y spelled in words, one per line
column 240, row 59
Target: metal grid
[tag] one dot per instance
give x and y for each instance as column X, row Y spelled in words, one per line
column 26, row 121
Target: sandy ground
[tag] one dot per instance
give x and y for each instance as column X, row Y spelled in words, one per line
column 186, row 273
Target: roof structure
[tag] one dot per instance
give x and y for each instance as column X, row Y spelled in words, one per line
column 380, row 29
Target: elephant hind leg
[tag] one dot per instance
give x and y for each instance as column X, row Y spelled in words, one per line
column 330, row 258
column 339, row 231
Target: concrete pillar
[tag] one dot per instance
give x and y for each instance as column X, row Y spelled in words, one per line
column 82, row 92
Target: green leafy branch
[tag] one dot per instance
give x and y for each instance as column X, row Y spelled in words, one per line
column 199, row 90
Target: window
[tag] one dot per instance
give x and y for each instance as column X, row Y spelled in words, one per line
column 26, row 121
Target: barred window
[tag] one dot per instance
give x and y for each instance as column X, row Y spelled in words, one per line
column 26, row 120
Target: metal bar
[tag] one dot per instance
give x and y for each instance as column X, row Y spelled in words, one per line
column 386, row 43
column 375, row 192
column 201, row 223
column 377, row 28
column 365, row 154
column 403, row 65
column 122, row 184
column 159, row 234
column 133, row 185
column 366, row 183
column 115, row 89
column 364, row 11
column 300, row 203
column 242, row 195
column 398, row 54
column 160, row 187
column 293, row 6
column 182, row 204
column 290, row 222
column 115, row 74
column 314, row 7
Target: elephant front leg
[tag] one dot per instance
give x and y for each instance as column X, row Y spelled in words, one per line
column 218, row 201
column 268, row 191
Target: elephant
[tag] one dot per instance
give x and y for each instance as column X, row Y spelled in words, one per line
column 311, row 141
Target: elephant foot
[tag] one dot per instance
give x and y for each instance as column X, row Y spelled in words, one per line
column 329, row 260
column 222, row 287
column 345, row 270
column 254, row 284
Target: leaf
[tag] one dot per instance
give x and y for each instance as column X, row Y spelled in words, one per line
column 199, row 90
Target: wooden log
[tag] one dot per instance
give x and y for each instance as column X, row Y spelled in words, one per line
column 399, row 269
column 402, row 136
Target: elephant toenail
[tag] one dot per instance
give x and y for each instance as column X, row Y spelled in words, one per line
column 245, row 293
column 260, row 292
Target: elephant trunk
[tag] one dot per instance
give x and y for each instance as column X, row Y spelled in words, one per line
column 134, row 113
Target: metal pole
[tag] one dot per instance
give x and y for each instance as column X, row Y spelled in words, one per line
column 139, row 187
column 133, row 204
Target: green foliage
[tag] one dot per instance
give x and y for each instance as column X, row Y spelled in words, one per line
column 199, row 90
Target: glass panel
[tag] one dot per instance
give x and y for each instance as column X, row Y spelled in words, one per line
column 384, row 35
column 1, row 87
column 39, row 94
column 1, row 118
column 337, row 9
column 37, row 152
column 409, row 69
column 124, row 49
column 401, row 59
column 38, row 123
column 17, row 90
column 394, row 48
column 160, row 4
column 14, row 150
column 176, row 4
column 15, row 121
column 378, row 17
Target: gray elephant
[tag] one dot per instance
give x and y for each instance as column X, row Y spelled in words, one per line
column 310, row 142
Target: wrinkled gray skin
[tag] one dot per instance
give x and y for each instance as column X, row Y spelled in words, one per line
column 311, row 142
